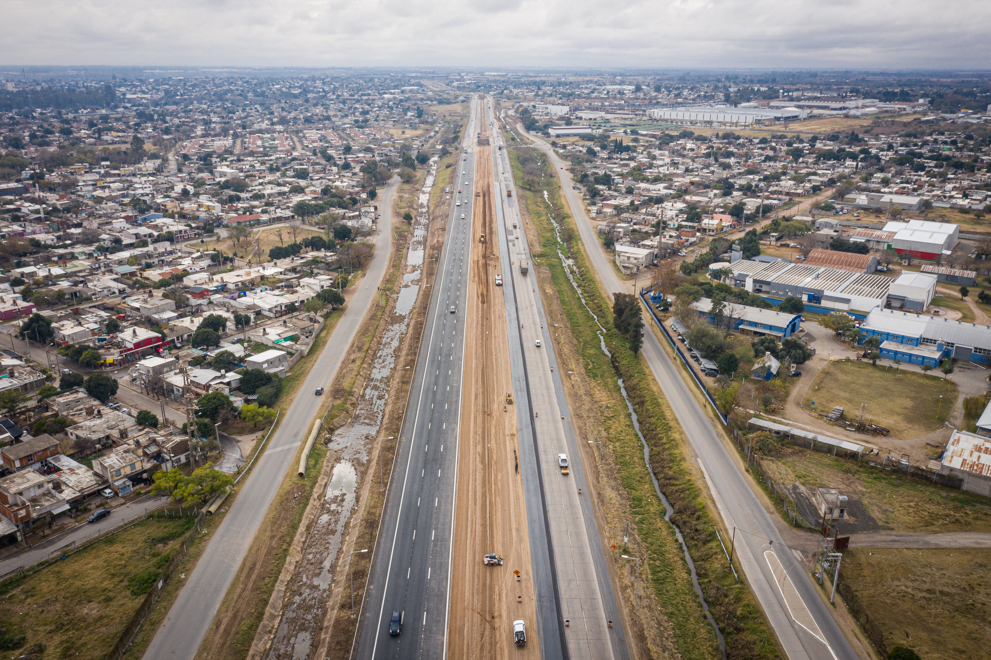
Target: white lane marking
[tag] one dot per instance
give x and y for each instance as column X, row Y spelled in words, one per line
column 815, row 633
column 432, row 533
column 428, row 577
column 418, row 502
column 414, row 534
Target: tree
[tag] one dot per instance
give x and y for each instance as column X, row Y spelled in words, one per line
column 728, row 363
column 342, row 233
column 223, row 360
column 46, row 391
column 239, row 234
column 137, row 144
column 372, row 193
column 70, row 381
column 252, row 413
column 146, row 418
column 90, row 358
column 795, row 350
column 964, row 292
column 197, row 488
column 214, row 322
column 408, row 217
column 926, row 368
column 205, row 338
column 792, row 305
column 294, row 225
column 37, row 328
column 838, row 322
column 268, row 395
column 101, row 387
column 331, row 297
column 254, row 379
column 764, row 345
column 706, row 340
column 946, row 367
column 241, row 320
column 210, row 405
column 11, row 400
column 112, row 326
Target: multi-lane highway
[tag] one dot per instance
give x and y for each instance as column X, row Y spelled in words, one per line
column 575, row 598
column 187, row 623
column 411, row 566
column 801, row 620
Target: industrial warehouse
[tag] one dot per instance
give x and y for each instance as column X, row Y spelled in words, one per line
column 727, row 115
column 827, row 290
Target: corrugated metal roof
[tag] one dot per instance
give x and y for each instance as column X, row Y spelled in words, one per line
column 957, row 332
column 969, row 452
column 867, row 286
column 953, row 272
column 747, row 313
column 856, row 263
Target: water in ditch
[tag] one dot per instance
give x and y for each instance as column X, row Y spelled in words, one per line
column 568, row 264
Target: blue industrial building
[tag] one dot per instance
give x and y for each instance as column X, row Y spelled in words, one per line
column 918, row 339
column 751, row 319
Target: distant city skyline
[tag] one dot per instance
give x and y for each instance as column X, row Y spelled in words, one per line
column 855, row 34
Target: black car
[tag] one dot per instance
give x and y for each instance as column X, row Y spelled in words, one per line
column 795, row 373
column 319, row 391
column 98, row 515
column 396, row 623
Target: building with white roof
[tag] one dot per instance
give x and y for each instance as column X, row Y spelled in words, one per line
column 923, row 239
column 912, row 291
column 920, row 339
column 751, row 319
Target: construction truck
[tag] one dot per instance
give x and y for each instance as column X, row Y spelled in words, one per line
column 492, row 559
column 481, row 239
column 562, row 462
column 524, row 264
column 509, row 397
column 509, row 193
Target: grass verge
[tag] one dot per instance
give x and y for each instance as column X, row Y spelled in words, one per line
column 747, row 633
column 78, row 607
column 907, row 402
column 936, row 602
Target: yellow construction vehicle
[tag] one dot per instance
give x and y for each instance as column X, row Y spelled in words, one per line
column 509, row 397
column 481, row 239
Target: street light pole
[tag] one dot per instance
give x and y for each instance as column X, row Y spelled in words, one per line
column 351, row 567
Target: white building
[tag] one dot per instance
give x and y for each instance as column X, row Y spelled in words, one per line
column 569, row 131
column 912, row 291
column 272, row 361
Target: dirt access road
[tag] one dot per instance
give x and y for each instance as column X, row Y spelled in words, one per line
column 491, row 513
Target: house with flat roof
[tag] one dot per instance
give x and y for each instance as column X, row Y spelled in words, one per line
column 271, row 361
column 27, row 496
column 30, row 453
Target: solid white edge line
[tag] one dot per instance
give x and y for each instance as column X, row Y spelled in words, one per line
column 457, row 448
column 402, row 497
column 821, row 636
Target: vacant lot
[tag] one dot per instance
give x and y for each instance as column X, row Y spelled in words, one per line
column 894, row 502
column 78, row 607
column 906, row 402
column 268, row 237
column 937, row 602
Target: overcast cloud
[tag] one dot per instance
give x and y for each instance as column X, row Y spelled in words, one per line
column 501, row 33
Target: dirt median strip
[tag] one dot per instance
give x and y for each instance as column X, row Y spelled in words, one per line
column 490, row 516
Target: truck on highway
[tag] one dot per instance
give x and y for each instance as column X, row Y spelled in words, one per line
column 524, row 264
column 509, row 193
column 519, row 632
column 492, row 559
column 562, row 462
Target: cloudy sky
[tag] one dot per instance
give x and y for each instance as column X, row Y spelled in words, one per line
column 857, row 34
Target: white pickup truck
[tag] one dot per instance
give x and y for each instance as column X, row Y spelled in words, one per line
column 562, row 461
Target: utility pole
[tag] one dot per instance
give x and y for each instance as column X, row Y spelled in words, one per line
column 351, row 568
column 187, row 397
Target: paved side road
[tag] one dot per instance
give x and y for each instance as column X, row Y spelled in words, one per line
column 803, row 624
column 82, row 532
column 188, row 622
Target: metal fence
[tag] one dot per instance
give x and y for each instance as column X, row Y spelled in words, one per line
column 129, row 633
column 702, row 386
column 777, row 490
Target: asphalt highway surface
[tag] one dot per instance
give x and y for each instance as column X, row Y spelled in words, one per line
column 804, row 625
column 187, row 623
column 412, row 562
column 586, row 602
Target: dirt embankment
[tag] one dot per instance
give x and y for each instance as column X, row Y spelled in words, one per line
column 490, row 515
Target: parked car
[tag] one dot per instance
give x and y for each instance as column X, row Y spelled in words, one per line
column 795, row 373
column 99, row 515
column 108, row 493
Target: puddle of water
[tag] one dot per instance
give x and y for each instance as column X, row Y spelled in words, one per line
column 568, row 265
column 407, row 298
column 302, row 615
